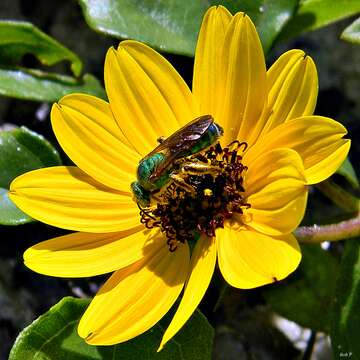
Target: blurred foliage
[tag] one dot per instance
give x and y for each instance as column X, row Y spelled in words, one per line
column 313, row 14
column 21, row 150
column 20, row 38
column 347, row 170
column 54, row 336
column 309, row 291
column 346, row 315
column 172, row 25
column 352, row 32
column 40, row 86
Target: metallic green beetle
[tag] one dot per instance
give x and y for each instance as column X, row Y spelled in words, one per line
column 156, row 169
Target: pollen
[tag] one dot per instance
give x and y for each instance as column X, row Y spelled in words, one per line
column 208, row 192
column 211, row 191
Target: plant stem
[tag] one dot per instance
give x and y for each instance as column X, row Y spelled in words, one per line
column 223, row 290
column 339, row 196
column 333, row 232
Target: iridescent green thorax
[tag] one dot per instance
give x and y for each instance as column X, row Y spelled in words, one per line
column 146, row 168
column 183, row 216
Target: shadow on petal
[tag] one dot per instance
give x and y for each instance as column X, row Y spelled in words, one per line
column 156, row 247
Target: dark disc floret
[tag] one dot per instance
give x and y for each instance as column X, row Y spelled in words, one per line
column 218, row 194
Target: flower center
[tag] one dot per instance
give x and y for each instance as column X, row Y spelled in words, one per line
column 208, row 190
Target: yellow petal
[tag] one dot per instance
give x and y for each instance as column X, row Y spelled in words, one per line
column 206, row 81
column 137, row 297
column 292, row 87
column 275, row 187
column 317, row 139
column 87, row 131
column 248, row 259
column 87, row 254
column 202, row 266
column 147, row 96
column 243, row 75
column 68, row 198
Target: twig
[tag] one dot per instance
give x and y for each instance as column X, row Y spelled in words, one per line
column 333, row 232
column 339, row 196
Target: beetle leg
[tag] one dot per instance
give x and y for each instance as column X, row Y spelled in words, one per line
column 197, row 168
column 180, row 181
column 192, row 168
column 161, row 139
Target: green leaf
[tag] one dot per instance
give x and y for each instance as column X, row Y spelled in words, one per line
column 346, row 314
column 21, row 150
column 305, row 297
column 172, row 25
column 347, row 171
column 313, row 14
column 53, row 336
column 352, row 32
column 40, row 86
column 9, row 213
column 270, row 17
column 19, row 38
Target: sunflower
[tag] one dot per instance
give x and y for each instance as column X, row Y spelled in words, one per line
column 272, row 148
